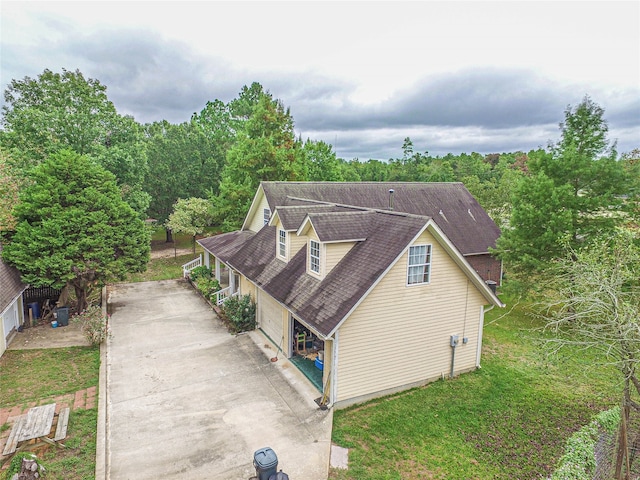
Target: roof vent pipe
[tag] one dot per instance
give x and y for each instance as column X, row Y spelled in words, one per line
column 391, row 198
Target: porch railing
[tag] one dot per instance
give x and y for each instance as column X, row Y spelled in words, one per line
column 224, row 294
column 187, row 267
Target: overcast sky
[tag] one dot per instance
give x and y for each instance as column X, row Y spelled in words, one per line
column 487, row 77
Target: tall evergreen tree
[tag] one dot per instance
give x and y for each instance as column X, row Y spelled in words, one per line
column 74, row 229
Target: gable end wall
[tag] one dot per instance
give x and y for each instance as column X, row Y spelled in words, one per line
column 399, row 336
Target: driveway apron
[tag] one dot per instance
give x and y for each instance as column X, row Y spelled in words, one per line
column 187, row 400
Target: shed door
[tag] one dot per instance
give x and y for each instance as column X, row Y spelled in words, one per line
column 10, row 319
column 270, row 317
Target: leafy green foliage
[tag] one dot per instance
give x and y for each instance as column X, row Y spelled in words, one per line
column 579, row 461
column 74, row 228
column 95, row 325
column 190, row 216
column 265, row 149
column 241, row 313
column 200, row 272
column 184, row 160
column 572, row 194
column 58, row 111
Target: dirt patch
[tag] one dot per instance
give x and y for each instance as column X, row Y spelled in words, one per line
column 161, row 249
column 45, row 336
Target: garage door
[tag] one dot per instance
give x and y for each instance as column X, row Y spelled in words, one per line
column 10, row 319
column 270, row 317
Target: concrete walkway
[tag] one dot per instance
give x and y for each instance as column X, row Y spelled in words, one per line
column 185, row 399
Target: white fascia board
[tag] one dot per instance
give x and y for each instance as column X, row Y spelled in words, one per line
column 254, row 203
column 463, row 264
column 374, row 284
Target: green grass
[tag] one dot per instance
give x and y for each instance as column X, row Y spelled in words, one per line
column 39, row 375
column 167, row 268
column 162, row 269
column 77, row 461
column 508, row 420
column 35, row 375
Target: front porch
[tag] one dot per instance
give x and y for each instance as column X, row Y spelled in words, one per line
column 228, row 280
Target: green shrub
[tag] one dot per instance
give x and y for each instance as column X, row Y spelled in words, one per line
column 241, row 313
column 207, row 286
column 95, row 325
column 579, row 461
column 200, row 272
column 16, row 464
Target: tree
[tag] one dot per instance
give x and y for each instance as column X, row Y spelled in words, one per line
column 570, row 192
column 265, row 149
column 183, row 162
column 74, row 229
column 10, row 184
column 596, row 307
column 321, row 162
column 190, row 216
column 66, row 111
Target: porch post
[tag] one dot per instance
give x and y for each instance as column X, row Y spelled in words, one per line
column 217, row 268
column 207, row 262
column 232, row 281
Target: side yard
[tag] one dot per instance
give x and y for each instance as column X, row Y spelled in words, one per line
column 508, row 420
column 68, row 377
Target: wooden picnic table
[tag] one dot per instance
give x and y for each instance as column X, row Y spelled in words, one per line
column 36, row 423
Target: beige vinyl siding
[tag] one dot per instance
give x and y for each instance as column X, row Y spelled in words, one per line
column 247, row 287
column 400, row 335
column 296, row 242
column 334, row 252
column 257, row 221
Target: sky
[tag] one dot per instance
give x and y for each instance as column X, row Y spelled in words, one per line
column 455, row 76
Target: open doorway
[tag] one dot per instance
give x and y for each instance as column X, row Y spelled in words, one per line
column 307, row 352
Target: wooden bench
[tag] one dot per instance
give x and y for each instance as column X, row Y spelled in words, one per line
column 63, row 422
column 14, row 437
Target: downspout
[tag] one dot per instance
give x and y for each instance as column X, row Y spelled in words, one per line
column 334, row 369
column 483, row 310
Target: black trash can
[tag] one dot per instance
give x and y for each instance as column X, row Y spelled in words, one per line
column 62, row 315
column 265, row 461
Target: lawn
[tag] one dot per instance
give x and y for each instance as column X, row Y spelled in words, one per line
column 508, row 420
column 41, row 375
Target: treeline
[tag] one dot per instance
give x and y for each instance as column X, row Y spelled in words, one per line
column 576, row 188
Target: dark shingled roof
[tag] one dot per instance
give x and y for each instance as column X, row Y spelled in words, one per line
column 341, row 226
column 292, row 216
column 451, row 206
column 10, row 284
column 322, row 304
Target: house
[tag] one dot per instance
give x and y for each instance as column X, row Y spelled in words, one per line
column 383, row 285
column 11, row 304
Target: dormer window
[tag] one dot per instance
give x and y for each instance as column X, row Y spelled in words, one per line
column 419, row 270
column 282, row 243
column 266, row 215
column 314, row 256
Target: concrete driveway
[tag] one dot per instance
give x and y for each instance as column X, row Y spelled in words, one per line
column 187, row 400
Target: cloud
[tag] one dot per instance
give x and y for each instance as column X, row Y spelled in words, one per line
column 486, row 110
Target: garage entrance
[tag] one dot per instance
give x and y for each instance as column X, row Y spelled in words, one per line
column 307, row 353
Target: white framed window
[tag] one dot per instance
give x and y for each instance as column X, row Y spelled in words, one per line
column 282, row 243
column 266, row 214
column 419, row 269
column 314, row 256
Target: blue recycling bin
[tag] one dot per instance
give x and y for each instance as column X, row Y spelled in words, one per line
column 265, row 461
column 35, row 309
